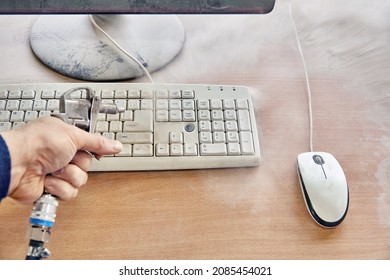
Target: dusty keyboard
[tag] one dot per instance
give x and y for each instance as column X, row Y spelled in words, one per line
column 163, row 127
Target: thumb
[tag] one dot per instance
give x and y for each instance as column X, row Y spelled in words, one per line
column 95, row 143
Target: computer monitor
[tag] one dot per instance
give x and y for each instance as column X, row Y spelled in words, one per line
column 64, row 38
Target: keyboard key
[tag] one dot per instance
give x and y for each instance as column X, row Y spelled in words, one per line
column 162, row 94
column 133, row 104
column 147, row 94
column 246, row 141
column 229, row 104
column 231, row 126
column 174, row 104
column 26, row 105
column 115, row 126
column 109, row 135
column 142, row 150
column 135, row 137
column 230, row 115
column 48, row 94
column 113, row 117
column 219, row 137
column 188, row 116
column 190, row 150
column 143, row 122
column 175, row 116
column 241, row 104
column 127, row 151
column 205, row 137
column 175, row 137
column 204, row 126
column 204, row 115
column 176, row 150
column 203, row 104
column 174, row 94
column 162, row 116
column 30, row 115
column 28, row 94
column 216, row 104
column 16, row 124
column 121, row 103
column 162, row 104
column 3, row 94
column 162, row 150
column 146, row 104
column 217, row 115
column 126, row 115
column 107, row 94
column 232, row 137
column 14, row 94
column 17, row 116
column 45, row 114
column 120, row 94
column 188, row 105
column 101, row 126
column 4, row 126
column 134, row 94
column 234, row 149
column 188, row 94
column 218, row 126
column 213, row 149
column 243, row 120
column 5, row 116
column 39, row 105
column 12, row 105
column 53, row 104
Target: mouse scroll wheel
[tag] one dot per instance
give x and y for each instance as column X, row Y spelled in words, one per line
column 318, row 159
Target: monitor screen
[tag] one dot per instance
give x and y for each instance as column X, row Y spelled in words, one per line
column 137, row 6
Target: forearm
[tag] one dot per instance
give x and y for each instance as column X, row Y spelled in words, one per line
column 5, row 169
column 18, row 155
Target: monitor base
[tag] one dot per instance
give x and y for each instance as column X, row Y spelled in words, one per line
column 72, row 46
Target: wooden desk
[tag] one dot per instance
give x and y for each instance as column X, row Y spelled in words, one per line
column 244, row 213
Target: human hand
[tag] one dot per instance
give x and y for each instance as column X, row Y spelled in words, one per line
column 48, row 154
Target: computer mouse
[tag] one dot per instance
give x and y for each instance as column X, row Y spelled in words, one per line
column 324, row 187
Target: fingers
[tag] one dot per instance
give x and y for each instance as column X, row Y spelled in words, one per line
column 60, row 188
column 81, row 139
column 83, row 160
column 65, row 183
column 72, row 174
column 95, row 143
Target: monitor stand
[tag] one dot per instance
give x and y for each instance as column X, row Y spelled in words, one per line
column 72, row 46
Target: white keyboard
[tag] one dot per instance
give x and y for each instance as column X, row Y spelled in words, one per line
column 164, row 126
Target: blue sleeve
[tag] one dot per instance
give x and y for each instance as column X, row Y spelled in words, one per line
column 5, row 169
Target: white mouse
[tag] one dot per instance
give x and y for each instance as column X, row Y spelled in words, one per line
column 324, row 187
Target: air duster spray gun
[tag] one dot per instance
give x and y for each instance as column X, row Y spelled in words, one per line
column 80, row 107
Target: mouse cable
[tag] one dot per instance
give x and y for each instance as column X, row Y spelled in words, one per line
column 120, row 48
column 306, row 77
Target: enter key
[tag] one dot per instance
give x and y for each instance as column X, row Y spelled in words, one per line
column 143, row 122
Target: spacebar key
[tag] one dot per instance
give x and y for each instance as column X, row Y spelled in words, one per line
column 213, row 149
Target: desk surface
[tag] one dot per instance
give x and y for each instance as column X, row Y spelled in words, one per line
column 243, row 213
